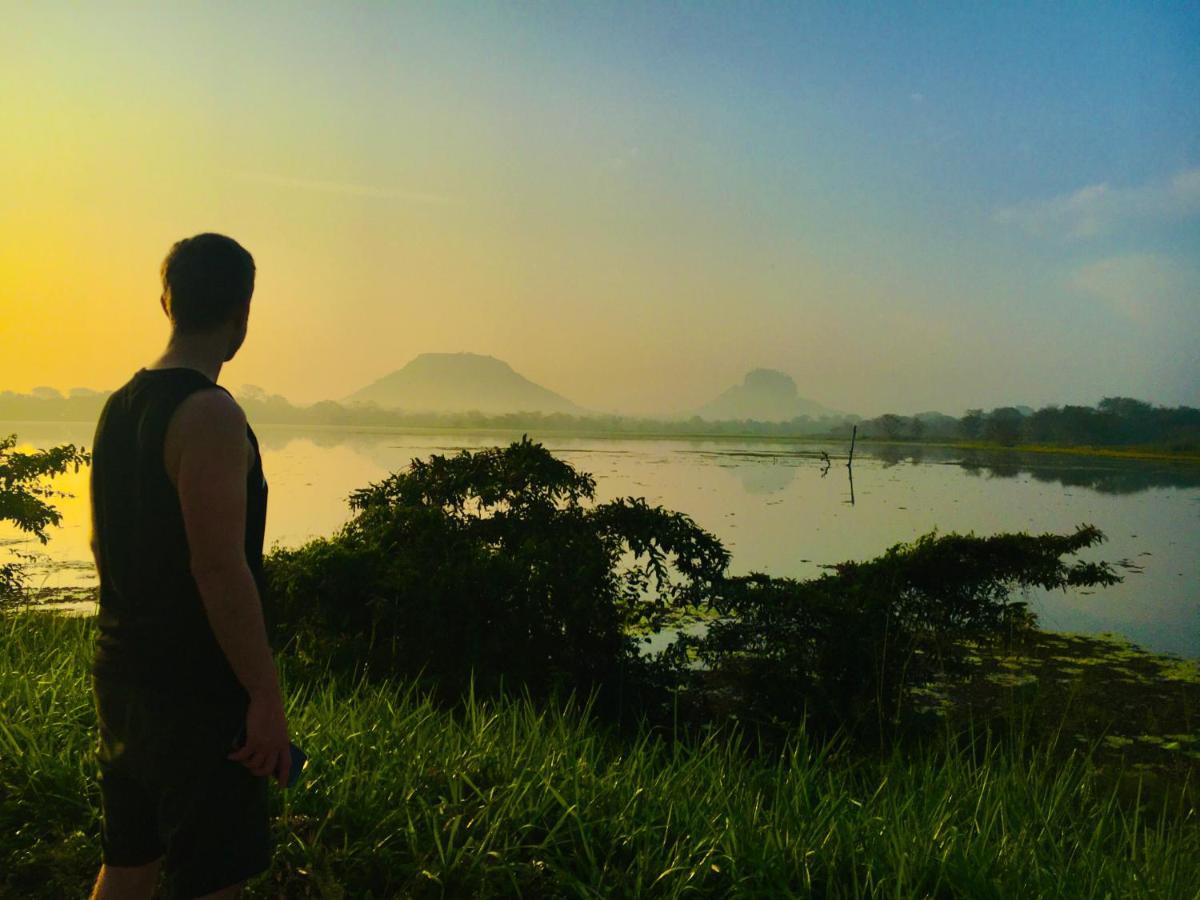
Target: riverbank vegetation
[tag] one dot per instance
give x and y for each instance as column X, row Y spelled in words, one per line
column 505, row 797
column 466, row 668
column 494, row 566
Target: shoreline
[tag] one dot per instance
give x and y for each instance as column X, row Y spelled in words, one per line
column 1102, row 642
column 1157, row 454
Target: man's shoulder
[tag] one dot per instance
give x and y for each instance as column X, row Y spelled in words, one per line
column 210, row 408
column 208, row 425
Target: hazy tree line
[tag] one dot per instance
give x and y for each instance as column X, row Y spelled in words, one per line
column 1114, row 422
column 46, row 404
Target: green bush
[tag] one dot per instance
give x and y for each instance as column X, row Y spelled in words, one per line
column 494, row 565
column 842, row 650
column 25, row 497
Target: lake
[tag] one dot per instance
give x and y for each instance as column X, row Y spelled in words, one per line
column 775, row 504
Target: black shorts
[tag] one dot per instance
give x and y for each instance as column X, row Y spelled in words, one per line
column 167, row 790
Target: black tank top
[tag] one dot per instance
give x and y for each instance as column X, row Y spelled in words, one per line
column 153, row 630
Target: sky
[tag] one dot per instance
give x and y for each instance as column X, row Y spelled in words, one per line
column 903, row 206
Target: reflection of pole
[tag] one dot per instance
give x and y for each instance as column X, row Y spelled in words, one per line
column 850, row 463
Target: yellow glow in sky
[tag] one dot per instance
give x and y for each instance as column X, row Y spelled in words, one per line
column 631, row 210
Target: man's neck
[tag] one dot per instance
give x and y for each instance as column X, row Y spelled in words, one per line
column 203, row 352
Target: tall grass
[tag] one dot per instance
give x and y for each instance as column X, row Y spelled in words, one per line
column 506, row 798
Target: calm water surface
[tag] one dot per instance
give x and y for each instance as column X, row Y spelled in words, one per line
column 776, row 508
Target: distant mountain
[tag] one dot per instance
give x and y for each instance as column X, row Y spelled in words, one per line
column 461, row 382
column 767, row 395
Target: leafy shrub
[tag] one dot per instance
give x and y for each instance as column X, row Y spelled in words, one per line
column 493, row 565
column 843, row 649
column 25, row 499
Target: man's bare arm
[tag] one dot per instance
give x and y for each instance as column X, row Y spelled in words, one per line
column 206, row 454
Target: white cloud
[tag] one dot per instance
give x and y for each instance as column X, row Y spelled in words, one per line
column 1100, row 208
column 1138, row 286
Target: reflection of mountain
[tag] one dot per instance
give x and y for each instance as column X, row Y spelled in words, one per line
column 391, row 451
column 277, row 438
column 765, row 395
column 461, row 382
column 1105, row 476
column 765, row 477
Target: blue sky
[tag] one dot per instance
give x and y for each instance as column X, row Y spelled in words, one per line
column 905, row 206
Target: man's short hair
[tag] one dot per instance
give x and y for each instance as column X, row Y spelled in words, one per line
column 205, row 279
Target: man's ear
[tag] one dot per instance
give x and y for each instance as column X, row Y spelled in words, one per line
column 162, row 301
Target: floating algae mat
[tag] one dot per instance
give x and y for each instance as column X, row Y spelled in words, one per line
column 1131, row 707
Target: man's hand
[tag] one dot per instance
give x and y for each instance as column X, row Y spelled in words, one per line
column 267, row 750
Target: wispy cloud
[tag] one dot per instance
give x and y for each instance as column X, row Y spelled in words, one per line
column 350, row 189
column 1101, row 208
column 1137, row 286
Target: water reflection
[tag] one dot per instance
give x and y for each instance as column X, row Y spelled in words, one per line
column 766, row 477
column 1105, row 476
column 894, row 454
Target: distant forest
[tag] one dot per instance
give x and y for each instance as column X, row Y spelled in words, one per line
column 1113, row 422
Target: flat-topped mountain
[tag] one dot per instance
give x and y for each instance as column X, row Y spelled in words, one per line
column 461, row 382
column 766, row 395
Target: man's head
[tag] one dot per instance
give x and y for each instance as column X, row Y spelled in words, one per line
column 207, row 284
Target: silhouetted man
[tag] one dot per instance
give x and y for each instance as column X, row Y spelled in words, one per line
column 182, row 665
